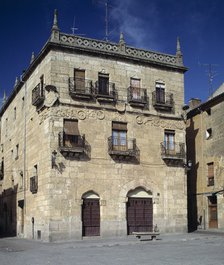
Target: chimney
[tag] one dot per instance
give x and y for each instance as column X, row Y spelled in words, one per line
column 194, row 102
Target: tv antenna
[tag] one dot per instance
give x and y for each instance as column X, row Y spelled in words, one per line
column 107, row 5
column 74, row 28
column 211, row 74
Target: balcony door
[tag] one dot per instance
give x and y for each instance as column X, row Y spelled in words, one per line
column 103, row 84
column 160, row 93
column 71, row 133
column 79, row 80
column 169, row 141
column 119, row 136
column 136, row 90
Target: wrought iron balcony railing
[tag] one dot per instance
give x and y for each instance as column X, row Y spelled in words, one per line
column 137, row 96
column 173, row 151
column 106, row 91
column 122, row 147
column 71, row 143
column 162, row 100
column 80, row 87
column 38, row 95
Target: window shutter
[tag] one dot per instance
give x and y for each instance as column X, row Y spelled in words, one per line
column 119, row 126
column 135, row 82
column 71, row 127
column 79, row 74
column 211, row 170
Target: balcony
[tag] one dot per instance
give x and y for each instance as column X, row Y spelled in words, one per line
column 38, row 96
column 125, row 149
column 106, row 92
column 137, row 97
column 71, row 145
column 173, row 153
column 80, row 88
column 162, row 101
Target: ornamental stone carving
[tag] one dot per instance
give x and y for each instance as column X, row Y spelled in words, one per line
column 72, row 114
column 158, row 122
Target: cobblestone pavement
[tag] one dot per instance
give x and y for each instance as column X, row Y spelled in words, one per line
column 194, row 248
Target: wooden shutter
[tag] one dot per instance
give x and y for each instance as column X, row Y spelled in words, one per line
column 79, row 74
column 135, row 82
column 119, row 126
column 71, row 127
column 211, row 170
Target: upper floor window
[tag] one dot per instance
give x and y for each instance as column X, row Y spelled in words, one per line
column 71, row 133
column 210, row 174
column 103, row 84
column 2, row 169
column 6, row 127
column 23, row 100
column 14, row 113
column 79, row 79
column 17, row 152
column 136, row 88
column 42, row 82
column 119, row 136
column 160, row 92
column 169, row 140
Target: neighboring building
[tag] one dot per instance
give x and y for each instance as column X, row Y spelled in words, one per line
column 93, row 142
column 205, row 137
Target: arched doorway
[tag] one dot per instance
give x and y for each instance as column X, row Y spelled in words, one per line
column 90, row 214
column 139, row 211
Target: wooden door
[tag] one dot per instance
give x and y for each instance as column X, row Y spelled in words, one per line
column 139, row 215
column 91, row 217
column 213, row 214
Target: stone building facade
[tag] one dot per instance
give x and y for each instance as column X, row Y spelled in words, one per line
column 93, row 142
column 205, row 135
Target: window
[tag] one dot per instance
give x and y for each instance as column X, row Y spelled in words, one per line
column 79, row 79
column 17, row 151
column 2, row 169
column 34, row 180
column 23, row 100
column 136, row 88
column 119, row 136
column 21, row 179
column 103, row 84
column 160, row 92
column 14, row 113
column 42, row 82
column 169, row 140
column 6, row 127
column 208, row 133
column 71, row 133
column 210, row 174
column 12, row 154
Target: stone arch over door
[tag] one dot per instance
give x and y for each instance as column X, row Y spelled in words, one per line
column 90, row 214
column 139, row 210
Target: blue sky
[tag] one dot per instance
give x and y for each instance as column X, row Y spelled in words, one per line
column 25, row 26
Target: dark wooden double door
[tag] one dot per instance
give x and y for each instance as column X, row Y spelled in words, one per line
column 139, row 215
column 91, row 217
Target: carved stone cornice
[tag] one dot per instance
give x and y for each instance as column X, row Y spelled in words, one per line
column 113, row 49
